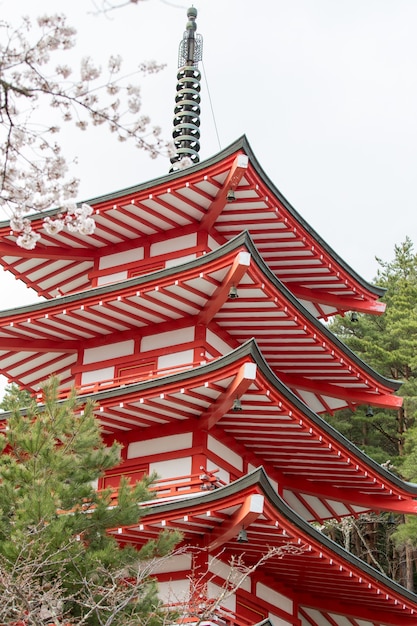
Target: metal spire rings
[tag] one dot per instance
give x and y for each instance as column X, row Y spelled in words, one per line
column 186, row 132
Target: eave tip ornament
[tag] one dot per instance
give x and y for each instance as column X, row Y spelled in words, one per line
column 186, row 132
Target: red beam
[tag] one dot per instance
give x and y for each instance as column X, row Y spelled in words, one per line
column 340, row 302
column 244, row 378
column 238, row 169
column 220, row 295
column 382, row 400
column 54, row 252
column 250, row 510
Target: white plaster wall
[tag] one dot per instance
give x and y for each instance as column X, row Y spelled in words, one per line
column 171, row 468
column 217, row 343
column 110, row 351
column 278, row 621
column 111, row 278
column 175, row 358
column 172, row 245
column 221, row 474
column 221, row 569
column 179, row 260
column 225, row 453
column 165, row 340
column 159, row 445
column 106, row 373
column 120, row 258
column 228, row 603
column 174, row 591
column 177, row 563
column 275, row 598
column 212, row 243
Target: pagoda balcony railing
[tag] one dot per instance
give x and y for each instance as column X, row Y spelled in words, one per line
column 123, row 380
column 171, row 488
column 165, row 489
column 221, row 616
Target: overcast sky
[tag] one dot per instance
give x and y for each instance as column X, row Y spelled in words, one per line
column 325, row 91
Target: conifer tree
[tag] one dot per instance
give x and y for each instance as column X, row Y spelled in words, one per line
column 389, row 344
column 58, row 563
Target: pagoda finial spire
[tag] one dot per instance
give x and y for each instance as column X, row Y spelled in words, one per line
column 186, row 132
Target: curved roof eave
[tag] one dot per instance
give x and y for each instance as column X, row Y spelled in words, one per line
column 240, row 144
column 258, row 477
column 251, row 349
column 394, row 384
column 244, row 144
column 244, row 239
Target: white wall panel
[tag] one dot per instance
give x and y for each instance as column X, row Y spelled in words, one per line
column 174, row 591
column 219, row 568
column 221, row 474
column 111, row 278
column 173, row 245
column 217, row 343
column 110, row 351
column 170, row 338
column 225, row 453
column 120, row 258
column 274, row 598
column 159, row 445
column 171, row 468
column 179, row 260
column 214, row 592
column 100, row 375
column 172, row 359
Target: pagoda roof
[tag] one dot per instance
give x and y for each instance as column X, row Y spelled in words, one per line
column 319, row 472
column 325, row 580
column 41, row 339
column 190, row 199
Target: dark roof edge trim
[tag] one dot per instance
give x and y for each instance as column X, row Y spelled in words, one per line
column 258, row 477
column 243, row 239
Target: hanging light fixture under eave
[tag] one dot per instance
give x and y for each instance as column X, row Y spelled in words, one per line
column 230, row 197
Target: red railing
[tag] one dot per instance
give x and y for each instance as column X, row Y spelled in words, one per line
column 180, row 485
column 128, row 379
column 170, row 488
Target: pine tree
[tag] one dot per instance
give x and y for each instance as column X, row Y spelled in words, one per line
column 58, row 563
column 389, row 344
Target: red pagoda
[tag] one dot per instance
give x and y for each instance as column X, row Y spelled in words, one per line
column 193, row 317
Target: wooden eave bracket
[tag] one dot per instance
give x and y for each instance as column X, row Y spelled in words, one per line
column 375, row 307
column 242, row 381
column 52, row 252
column 353, row 396
column 237, row 271
column 357, row 493
column 27, row 344
column 239, row 167
column 250, row 510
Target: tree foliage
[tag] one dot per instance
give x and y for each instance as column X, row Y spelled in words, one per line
column 57, row 559
column 389, row 344
column 15, row 396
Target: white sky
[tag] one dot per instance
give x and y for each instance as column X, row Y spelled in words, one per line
column 325, row 90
